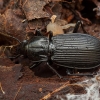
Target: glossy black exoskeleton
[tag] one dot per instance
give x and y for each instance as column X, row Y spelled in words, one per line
column 74, row 50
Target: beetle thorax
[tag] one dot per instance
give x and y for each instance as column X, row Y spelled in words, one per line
column 37, row 48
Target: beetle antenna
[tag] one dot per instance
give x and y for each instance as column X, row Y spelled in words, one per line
column 8, row 35
column 15, row 38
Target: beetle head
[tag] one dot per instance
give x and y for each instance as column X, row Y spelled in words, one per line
column 21, row 47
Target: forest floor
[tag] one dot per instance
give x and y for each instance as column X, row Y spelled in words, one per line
column 21, row 19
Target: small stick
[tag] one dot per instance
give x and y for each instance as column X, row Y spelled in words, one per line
column 4, row 48
column 49, row 95
column 60, row 88
column 68, row 26
column 2, row 89
column 17, row 92
column 84, row 19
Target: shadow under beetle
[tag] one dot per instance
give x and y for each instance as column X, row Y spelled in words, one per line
column 73, row 50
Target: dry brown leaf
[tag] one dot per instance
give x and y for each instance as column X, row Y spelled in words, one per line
column 36, row 23
column 54, row 27
column 34, row 9
column 61, row 22
column 2, row 22
column 56, row 9
column 14, row 25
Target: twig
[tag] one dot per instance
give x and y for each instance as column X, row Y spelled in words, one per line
column 57, row 90
column 84, row 19
column 17, row 92
column 68, row 25
column 77, row 14
column 2, row 89
column 11, row 46
column 70, row 18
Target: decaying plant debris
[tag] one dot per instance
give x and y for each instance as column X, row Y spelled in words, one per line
column 21, row 18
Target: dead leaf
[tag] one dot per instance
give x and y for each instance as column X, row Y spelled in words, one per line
column 14, row 26
column 34, row 9
column 54, row 27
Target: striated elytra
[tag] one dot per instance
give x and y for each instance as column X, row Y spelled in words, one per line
column 76, row 50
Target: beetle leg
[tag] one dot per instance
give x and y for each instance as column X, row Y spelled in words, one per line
column 38, row 33
column 77, row 27
column 35, row 65
column 54, row 70
column 68, row 71
column 14, row 57
column 80, row 74
column 50, row 36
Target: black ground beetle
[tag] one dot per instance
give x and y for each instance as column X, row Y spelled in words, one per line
column 73, row 50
